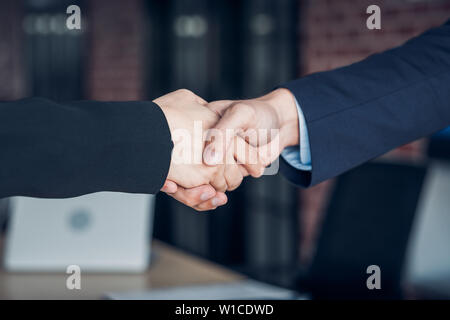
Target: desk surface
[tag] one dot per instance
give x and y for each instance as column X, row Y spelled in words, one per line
column 170, row 267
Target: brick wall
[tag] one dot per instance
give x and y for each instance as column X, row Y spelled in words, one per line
column 115, row 58
column 11, row 66
column 334, row 34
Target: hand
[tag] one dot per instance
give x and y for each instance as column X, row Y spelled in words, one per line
column 276, row 111
column 205, row 197
column 269, row 122
column 182, row 109
column 188, row 118
column 202, row 198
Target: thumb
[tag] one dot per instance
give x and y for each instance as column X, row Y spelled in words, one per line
column 220, row 106
column 269, row 152
column 234, row 121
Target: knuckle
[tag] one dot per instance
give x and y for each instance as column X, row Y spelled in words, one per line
column 185, row 92
column 222, row 188
column 215, row 108
column 218, row 181
column 244, row 109
column 259, row 171
column 235, row 183
column 233, row 187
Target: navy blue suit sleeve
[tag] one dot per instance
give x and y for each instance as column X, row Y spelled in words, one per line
column 361, row 111
column 59, row 150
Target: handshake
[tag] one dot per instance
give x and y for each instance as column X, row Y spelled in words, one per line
column 218, row 144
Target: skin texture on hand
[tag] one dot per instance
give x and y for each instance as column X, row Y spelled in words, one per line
column 276, row 110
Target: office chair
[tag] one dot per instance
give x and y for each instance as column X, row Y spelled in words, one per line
column 368, row 222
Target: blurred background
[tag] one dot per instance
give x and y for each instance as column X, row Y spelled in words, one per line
column 270, row 230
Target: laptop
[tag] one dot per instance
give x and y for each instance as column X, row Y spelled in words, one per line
column 101, row 232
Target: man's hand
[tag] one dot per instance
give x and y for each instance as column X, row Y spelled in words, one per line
column 253, row 120
column 269, row 122
column 188, row 117
column 184, row 111
column 202, row 198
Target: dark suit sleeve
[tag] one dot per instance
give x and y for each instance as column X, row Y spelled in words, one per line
column 361, row 111
column 55, row 150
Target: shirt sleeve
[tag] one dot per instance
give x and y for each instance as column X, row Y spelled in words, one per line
column 299, row 156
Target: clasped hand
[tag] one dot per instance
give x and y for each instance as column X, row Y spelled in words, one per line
column 216, row 145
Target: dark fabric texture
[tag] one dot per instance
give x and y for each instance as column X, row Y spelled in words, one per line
column 59, row 150
column 361, row 111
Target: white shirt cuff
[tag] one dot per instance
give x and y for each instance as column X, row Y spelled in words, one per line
column 299, row 156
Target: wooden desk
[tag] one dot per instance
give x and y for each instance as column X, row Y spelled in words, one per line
column 170, row 267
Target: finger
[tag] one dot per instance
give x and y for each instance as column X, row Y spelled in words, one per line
column 269, row 152
column 244, row 171
column 234, row 121
column 219, row 182
column 194, row 196
column 220, row 106
column 169, row 187
column 248, row 156
column 220, row 199
column 232, row 174
column 233, row 177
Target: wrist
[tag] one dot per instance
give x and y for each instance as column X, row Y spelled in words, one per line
column 168, row 114
column 283, row 103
